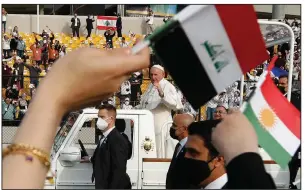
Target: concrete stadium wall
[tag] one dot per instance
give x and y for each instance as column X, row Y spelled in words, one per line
column 289, row 9
column 28, row 23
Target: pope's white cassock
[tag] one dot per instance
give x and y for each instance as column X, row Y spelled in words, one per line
column 161, row 109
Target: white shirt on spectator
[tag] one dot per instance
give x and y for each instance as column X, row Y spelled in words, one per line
column 75, row 23
column 61, row 54
column 151, row 20
column 218, row 183
column 126, row 88
column 6, row 44
column 3, row 17
column 123, row 45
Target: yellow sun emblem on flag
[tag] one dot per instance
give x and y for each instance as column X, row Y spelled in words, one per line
column 267, row 118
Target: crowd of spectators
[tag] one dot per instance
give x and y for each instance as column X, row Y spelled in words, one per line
column 26, row 58
column 230, row 98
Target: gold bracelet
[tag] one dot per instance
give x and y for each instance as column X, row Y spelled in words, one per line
column 29, row 151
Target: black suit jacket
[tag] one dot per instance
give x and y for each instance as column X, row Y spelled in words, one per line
column 73, row 23
column 109, row 162
column 175, row 178
column 247, row 171
column 119, row 23
column 89, row 22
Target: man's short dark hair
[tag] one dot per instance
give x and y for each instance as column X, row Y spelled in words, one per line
column 107, row 107
column 283, row 76
column 204, row 130
column 280, row 63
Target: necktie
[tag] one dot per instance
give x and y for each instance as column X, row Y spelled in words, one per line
column 101, row 140
column 176, row 150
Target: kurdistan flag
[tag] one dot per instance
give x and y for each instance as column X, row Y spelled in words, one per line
column 276, row 121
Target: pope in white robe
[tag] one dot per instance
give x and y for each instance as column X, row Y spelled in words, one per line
column 161, row 97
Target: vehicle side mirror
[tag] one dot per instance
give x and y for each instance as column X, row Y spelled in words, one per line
column 68, row 157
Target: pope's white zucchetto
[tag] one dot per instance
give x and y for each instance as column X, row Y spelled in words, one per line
column 158, row 67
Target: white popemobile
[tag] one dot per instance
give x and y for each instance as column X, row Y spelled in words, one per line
column 77, row 137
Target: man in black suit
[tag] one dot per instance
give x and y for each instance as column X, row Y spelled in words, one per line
column 75, row 25
column 110, row 157
column 89, row 26
column 178, row 131
column 119, row 25
column 203, row 166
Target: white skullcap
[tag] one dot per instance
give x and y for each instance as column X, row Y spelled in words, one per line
column 158, row 67
column 127, row 99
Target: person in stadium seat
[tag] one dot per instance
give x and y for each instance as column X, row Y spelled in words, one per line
column 109, row 34
column 150, row 21
column 15, row 31
column 136, row 82
column 53, row 54
column 34, row 73
column 14, row 42
column 6, row 74
column 119, row 25
column 21, row 47
column 8, row 110
column 37, row 51
column 4, row 17
column 220, row 112
column 18, row 71
column 6, row 46
column 75, row 25
column 123, row 43
column 89, row 26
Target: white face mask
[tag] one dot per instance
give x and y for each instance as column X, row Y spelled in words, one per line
column 44, row 41
column 101, row 124
column 126, row 103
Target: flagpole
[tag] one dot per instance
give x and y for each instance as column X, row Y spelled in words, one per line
column 257, row 86
column 242, row 82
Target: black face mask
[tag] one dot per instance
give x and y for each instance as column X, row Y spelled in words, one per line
column 282, row 89
column 196, row 170
column 172, row 133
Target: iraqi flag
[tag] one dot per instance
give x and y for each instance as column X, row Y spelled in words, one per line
column 206, row 48
column 106, row 22
column 276, row 121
